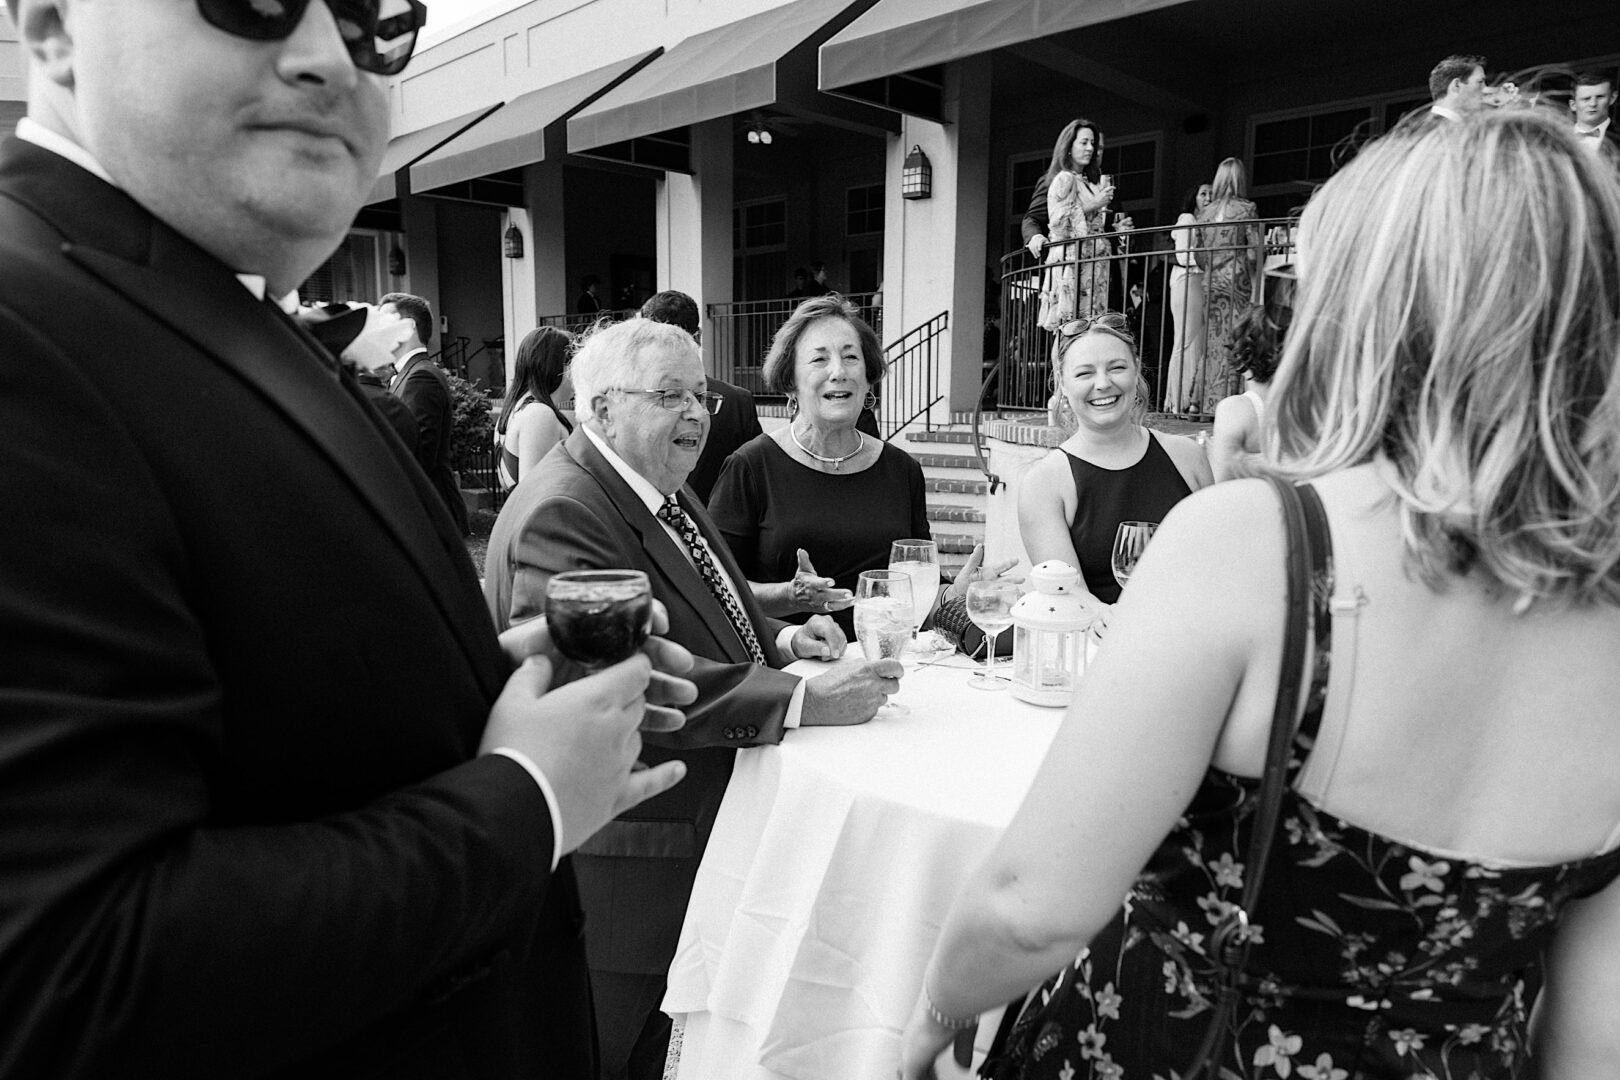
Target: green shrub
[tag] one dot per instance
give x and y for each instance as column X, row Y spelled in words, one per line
column 472, row 428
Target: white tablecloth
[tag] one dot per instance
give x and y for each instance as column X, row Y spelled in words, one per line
column 833, row 861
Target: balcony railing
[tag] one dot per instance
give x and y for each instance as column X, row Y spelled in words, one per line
column 740, row 333
column 1180, row 319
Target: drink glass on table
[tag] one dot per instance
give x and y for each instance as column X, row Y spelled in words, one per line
column 918, row 560
column 883, row 620
column 599, row 617
column 989, row 605
column 1130, row 540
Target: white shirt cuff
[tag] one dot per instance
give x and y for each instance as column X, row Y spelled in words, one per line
column 795, row 706
column 784, row 641
column 545, row 789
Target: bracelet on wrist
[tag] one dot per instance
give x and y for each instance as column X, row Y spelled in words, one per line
column 948, row 1023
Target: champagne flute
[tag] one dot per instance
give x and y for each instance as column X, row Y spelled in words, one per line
column 989, row 605
column 883, row 620
column 918, row 559
column 1130, row 540
column 599, row 617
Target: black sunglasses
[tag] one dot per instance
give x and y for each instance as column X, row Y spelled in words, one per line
column 380, row 34
column 1111, row 320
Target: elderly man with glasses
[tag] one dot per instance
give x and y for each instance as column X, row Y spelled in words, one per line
column 274, row 798
column 613, row 496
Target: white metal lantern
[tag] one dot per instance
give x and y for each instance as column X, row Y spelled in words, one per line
column 1049, row 636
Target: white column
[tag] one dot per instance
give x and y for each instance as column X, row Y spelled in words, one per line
column 934, row 249
column 694, row 224
column 539, row 285
column 517, row 286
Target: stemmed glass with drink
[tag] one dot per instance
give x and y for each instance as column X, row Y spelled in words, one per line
column 918, row 560
column 989, row 605
column 1130, row 540
column 884, row 620
column 599, row 617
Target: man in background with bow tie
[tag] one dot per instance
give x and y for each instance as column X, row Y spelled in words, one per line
column 613, row 496
column 1591, row 101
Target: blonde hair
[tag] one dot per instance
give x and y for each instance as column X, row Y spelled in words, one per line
column 1107, row 324
column 1231, row 182
column 1458, row 316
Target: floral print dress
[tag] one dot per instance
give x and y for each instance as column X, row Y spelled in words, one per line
column 1371, row 959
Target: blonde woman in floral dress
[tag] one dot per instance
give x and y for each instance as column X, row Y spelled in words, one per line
column 1076, row 206
column 1229, row 246
column 1450, row 833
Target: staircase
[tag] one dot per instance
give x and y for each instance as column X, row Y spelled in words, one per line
column 955, row 487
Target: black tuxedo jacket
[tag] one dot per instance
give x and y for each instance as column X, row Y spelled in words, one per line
column 422, row 386
column 1036, row 221
column 737, row 422
column 574, row 512
column 246, row 669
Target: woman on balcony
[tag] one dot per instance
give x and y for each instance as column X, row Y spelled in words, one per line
column 1111, row 469
column 524, row 435
column 1186, row 309
column 1076, row 285
column 1229, row 247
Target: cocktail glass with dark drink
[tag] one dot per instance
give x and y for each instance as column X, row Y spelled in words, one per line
column 599, row 617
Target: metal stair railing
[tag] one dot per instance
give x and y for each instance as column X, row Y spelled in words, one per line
column 910, row 387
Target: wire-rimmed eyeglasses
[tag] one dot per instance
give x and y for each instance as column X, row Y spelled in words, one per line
column 676, row 400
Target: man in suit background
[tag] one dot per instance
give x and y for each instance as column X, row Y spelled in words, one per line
column 1591, row 101
column 737, row 421
column 612, row 497
column 423, row 387
column 1457, row 85
column 273, row 800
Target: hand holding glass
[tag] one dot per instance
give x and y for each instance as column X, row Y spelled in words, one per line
column 1130, row 540
column 599, row 617
column 989, row 605
column 883, row 620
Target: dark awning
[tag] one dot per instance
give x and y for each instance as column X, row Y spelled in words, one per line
column 900, row 36
column 414, row 145
column 517, row 136
column 724, row 71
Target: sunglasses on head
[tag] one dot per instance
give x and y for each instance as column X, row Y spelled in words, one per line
column 1108, row 320
column 379, row 34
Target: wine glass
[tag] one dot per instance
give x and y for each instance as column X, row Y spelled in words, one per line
column 883, row 620
column 599, row 617
column 1130, row 540
column 919, row 560
column 989, row 605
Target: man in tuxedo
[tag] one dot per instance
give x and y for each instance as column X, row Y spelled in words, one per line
column 1457, row 85
column 273, row 800
column 737, row 421
column 613, row 497
column 425, row 389
column 1591, row 101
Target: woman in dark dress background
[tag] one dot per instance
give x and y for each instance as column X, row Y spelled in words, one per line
column 523, row 435
column 819, row 484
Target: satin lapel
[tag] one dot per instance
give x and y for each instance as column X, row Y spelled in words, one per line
column 202, row 302
column 660, row 548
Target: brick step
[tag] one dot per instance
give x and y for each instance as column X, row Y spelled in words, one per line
column 960, row 544
column 956, row 512
column 949, row 435
column 948, row 461
column 954, row 486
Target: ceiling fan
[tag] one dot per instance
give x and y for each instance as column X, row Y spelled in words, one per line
column 761, row 128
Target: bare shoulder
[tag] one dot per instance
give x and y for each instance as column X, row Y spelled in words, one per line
column 1235, row 409
column 1189, row 459
column 1224, row 531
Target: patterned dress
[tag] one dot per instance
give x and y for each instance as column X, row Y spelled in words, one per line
column 1373, row 959
column 1226, row 242
column 1076, row 285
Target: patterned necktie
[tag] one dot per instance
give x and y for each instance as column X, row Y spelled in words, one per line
column 682, row 523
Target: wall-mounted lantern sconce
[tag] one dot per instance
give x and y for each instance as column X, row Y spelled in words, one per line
column 512, row 245
column 917, row 176
column 396, row 262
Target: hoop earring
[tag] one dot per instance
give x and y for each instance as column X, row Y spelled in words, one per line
column 871, row 401
column 793, row 407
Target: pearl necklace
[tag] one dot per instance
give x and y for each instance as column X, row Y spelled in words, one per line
column 835, row 462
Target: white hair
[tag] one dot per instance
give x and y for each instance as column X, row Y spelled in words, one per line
column 610, row 357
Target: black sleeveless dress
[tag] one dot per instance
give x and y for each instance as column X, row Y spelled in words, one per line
column 1142, row 492
column 1376, row 960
